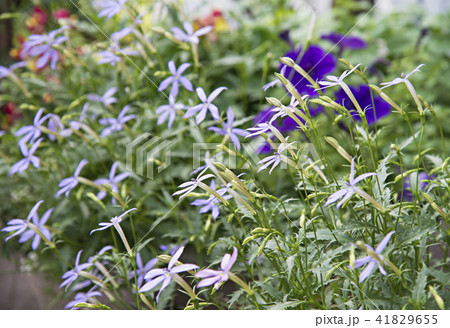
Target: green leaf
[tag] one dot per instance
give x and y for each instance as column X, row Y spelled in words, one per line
column 419, row 289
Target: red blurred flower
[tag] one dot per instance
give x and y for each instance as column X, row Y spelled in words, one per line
column 61, row 13
column 36, row 23
column 214, row 19
column 10, row 115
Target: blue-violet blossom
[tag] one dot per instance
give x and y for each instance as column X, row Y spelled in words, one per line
column 188, row 35
column 175, row 79
column 205, row 106
column 29, row 157
column 229, row 130
column 113, row 180
column 69, row 183
column 156, row 276
column 115, row 124
column 213, row 277
column 372, row 261
column 347, row 192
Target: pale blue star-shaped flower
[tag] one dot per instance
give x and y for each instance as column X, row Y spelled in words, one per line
column 54, row 124
column 334, row 80
column 82, row 297
column 117, row 36
column 168, row 112
column 276, row 81
column 203, row 108
column 5, row 71
column 258, row 129
column 403, row 78
column 176, row 79
column 274, row 159
column 229, row 130
column 72, row 275
column 164, row 276
column 213, row 277
column 40, row 224
column 141, row 269
column 113, row 180
column 210, row 204
column 19, row 225
column 114, row 222
column 191, row 185
column 69, row 183
column 29, row 157
column 112, row 57
column 31, row 132
column 188, row 35
column 76, row 125
column 43, row 46
column 110, row 8
column 116, row 124
column 106, row 99
column 347, row 192
column 372, row 261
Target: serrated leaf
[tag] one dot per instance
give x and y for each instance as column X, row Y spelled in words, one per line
column 419, row 289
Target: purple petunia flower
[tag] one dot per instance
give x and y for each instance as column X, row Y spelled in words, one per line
column 29, row 157
column 68, row 184
column 175, row 79
column 106, row 99
column 213, row 277
column 229, row 130
column 42, row 46
column 347, row 192
column 410, row 186
column 5, row 71
column 115, row 124
column 168, row 111
column 110, row 8
column 373, row 110
column 372, row 261
column 188, row 35
column 112, row 181
column 345, row 42
column 203, row 108
column 19, row 225
column 72, row 275
column 141, row 269
column 31, row 132
column 82, row 297
column 315, row 61
column 210, row 204
column 156, row 276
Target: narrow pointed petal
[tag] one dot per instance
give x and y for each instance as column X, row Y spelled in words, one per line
column 362, row 177
column 367, row 271
column 175, row 257
column 183, row 268
column 384, row 242
column 151, row 284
